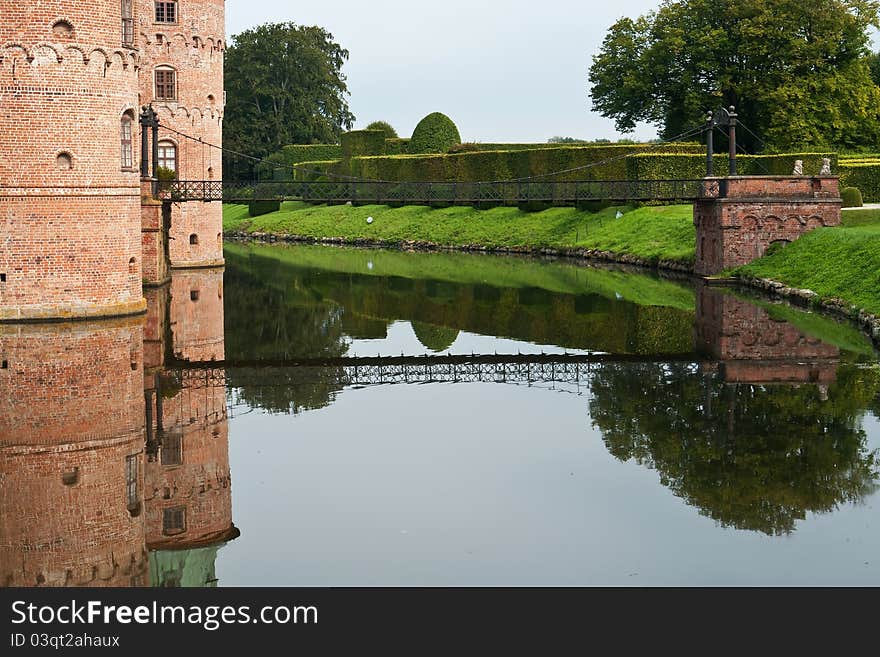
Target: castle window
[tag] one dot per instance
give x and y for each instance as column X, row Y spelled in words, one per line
column 64, row 161
column 172, row 450
column 131, row 485
column 166, row 84
column 168, row 155
column 193, row 295
column 166, row 12
column 193, row 239
column 70, row 478
column 126, row 141
column 127, row 23
column 174, row 520
column 62, row 29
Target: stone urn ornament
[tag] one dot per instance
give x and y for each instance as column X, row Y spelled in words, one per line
column 798, row 168
column 826, row 167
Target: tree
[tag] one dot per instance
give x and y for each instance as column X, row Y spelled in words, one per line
column 797, row 72
column 284, row 85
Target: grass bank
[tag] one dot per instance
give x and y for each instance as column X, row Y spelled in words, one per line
column 836, row 263
column 840, row 264
column 652, row 234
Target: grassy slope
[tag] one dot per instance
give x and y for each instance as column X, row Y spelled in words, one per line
column 841, row 263
column 652, row 232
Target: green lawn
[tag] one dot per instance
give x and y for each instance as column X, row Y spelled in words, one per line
column 652, row 233
column 841, row 263
column 836, row 263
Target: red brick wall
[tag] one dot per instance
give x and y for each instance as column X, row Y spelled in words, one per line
column 755, row 348
column 71, row 237
column 757, row 211
column 71, row 400
column 194, row 47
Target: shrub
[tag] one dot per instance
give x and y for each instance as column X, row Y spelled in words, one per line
column 396, row 146
column 384, row 126
column 648, row 166
column 436, row 133
column 866, row 177
column 359, row 143
column 468, row 147
column 257, row 208
column 852, row 197
column 280, row 165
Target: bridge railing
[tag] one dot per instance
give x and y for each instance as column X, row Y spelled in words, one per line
column 433, row 193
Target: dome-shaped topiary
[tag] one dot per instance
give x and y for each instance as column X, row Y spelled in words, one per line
column 435, row 338
column 436, row 133
column 852, row 197
column 384, row 126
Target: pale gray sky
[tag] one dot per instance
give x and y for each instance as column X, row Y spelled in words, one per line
column 503, row 71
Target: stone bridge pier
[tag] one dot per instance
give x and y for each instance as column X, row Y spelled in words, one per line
column 753, row 212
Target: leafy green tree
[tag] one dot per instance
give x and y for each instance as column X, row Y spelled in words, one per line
column 796, row 71
column 436, row 133
column 284, row 85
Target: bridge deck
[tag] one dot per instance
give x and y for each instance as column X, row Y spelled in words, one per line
column 446, row 193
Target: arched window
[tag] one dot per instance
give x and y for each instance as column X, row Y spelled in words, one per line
column 127, row 145
column 127, row 23
column 166, row 83
column 168, row 155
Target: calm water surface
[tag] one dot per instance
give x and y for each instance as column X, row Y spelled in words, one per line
column 387, row 418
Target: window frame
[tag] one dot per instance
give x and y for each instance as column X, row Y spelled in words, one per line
column 164, row 4
column 126, row 141
column 127, row 7
column 163, row 146
column 165, row 85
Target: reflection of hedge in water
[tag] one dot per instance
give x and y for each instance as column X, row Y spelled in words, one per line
column 264, row 321
column 433, row 337
column 749, row 457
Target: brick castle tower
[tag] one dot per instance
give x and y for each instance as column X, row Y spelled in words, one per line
column 70, row 238
column 182, row 45
column 72, row 455
column 73, row 79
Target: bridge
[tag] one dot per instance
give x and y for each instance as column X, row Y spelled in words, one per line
column 362, row 192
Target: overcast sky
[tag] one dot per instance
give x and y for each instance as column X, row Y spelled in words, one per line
column 503, row 71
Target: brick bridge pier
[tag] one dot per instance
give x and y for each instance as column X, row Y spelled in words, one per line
column 753, row 212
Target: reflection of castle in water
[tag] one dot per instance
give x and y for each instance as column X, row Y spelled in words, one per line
column 72, row 455
column 97, row 487
column 187, row 489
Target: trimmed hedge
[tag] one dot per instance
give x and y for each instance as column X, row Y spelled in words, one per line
column 384, row 126
column 436, row 133
column 398, row 146
column 258, row 208
column 864, row 176
column 852, row 197
column 495, row 165
column 359, row 143
column 649, row 166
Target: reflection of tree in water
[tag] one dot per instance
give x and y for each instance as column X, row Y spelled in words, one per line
column 749, row 457
column 265, row 322
column 435, row 338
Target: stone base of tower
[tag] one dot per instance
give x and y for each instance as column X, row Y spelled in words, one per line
column 753, row 212
column 196, row 235
column 155, row 220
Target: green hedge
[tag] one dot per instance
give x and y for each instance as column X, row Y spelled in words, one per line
column 864, row 176
column 397, row 146
column 359, row 143
column 852, row 197
column 257, row 208
column 496, row 165
column 649, row 166
column 436, row 133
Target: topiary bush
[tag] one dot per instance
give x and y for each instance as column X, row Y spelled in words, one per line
column 384, row 126
column 435, row 338
column 360, row 143
column 257, row 208
column 852, row 197
column 866, row 177
column 436, row 133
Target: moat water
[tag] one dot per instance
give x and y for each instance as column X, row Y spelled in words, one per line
column 386, row 418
